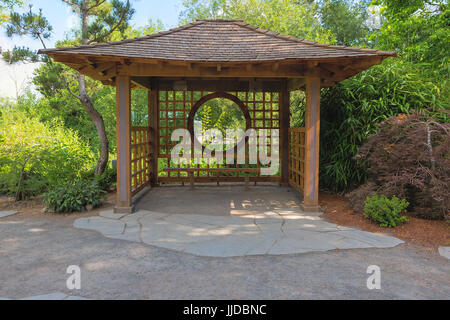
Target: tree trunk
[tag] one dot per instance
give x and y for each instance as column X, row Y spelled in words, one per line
column 99, row 125
column 87, row 101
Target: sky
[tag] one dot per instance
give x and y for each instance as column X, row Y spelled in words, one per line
column 15, row 79
column 61, row 18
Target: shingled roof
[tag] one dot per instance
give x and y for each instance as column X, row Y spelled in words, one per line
column 219, row 41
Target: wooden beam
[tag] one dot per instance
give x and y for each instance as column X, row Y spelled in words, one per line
column 332, row 70
column 296, row 84
column 285, row 101
column 153, row 121
column 218, row 84
column 123, row 103
column 172, row 70
column 312, row 126
column 276, row 66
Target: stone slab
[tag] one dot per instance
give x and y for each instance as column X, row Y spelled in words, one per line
column 268, row 232
column 50, row 296
column 111, row 215
column 445, row 252
column 4, row 214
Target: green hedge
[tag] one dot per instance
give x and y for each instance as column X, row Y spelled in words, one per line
column 35, row 156
column 351, row 110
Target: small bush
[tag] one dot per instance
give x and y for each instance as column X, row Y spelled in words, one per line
column 36, row 156
column 409, row 157
column 107, row 179
column 384, row 211
column 74, row 196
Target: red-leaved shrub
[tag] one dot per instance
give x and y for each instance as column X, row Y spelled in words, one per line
column 409, row 157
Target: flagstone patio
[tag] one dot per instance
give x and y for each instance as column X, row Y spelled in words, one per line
column 269, row 227
column 4, row 214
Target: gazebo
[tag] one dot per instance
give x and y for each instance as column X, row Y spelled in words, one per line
column 186, row 66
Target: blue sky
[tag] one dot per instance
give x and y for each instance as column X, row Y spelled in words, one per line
column 61, row 18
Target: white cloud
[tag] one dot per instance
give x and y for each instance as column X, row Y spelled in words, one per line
column 15, row 79
column 5, row 43
column 72, row 20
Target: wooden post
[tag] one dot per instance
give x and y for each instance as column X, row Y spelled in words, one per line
column 285, row 112
column 247, row 181
column 123, row 123
column 191, row 180
column 153, row 120
column 312, row 126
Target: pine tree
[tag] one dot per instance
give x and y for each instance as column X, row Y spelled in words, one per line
column 100, row 21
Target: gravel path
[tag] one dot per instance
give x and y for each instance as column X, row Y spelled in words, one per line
column 35, row 251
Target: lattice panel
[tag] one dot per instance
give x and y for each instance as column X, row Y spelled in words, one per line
column 174, row 109
column 297, row 158
column 140, row 158
column 264, row 109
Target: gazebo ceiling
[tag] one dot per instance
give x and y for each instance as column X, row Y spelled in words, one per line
column 218, row 48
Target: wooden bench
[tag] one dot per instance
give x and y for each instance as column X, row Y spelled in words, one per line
column 191, row 171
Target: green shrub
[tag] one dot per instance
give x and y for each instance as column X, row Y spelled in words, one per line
column 107, row 179
column 36, row 156
column 351, row 110
column 74, row 196
column 409, row 157
column 384, row 211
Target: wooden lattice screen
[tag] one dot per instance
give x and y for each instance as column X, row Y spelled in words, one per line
column 297, row 158
column 174, row 108
column 140, row 158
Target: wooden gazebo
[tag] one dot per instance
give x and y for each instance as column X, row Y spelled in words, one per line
column 182, row 66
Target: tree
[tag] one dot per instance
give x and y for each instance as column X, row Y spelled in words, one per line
column 6, row 5
column 298, row 18
column 417, row 29
column 346, row 20
column 101, row 21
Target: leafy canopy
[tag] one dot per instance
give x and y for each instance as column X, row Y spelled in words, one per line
column 5, row 6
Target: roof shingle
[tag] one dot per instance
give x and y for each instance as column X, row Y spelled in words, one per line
column 219, row 41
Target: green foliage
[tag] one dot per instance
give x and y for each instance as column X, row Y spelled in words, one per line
column 409, row 157
column 297, row 18
column 386, row 212
column 419, row 31
column 351, row 110
column 101, row 21
column 73, row 196
column 20, row 54
column 6, row 5
column 347, row 21
column 107, row 179
column 29, row 23
column 35, row 156
column 58, row 103
column 106, row 18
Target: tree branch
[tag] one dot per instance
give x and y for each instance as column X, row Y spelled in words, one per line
column 98, row 4
column 111, row 30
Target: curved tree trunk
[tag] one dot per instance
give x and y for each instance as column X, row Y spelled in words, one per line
column 99, row 125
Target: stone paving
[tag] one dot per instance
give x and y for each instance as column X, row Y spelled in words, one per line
column 272, row 233
column 4, row 214
column 445, row 252
column 51, row 296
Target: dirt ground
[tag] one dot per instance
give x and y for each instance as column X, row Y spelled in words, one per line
column 37, row 247
column 425, row 233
